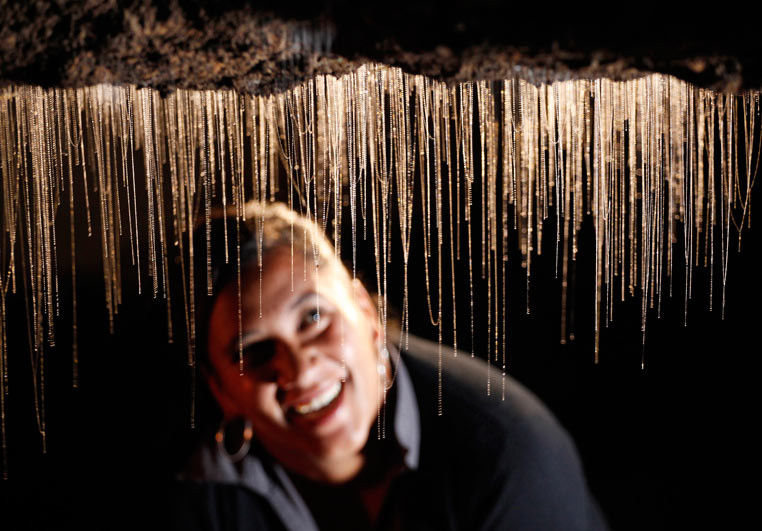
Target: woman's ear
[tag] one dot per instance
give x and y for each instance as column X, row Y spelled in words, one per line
column 368, row 307
column 226, row 403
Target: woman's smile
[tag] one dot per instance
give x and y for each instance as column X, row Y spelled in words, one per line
column 320, row 414
column 319, row 402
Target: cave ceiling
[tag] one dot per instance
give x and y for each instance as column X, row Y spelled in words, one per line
column 267, row 46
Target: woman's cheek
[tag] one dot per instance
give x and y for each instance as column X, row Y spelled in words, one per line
column 264, row 403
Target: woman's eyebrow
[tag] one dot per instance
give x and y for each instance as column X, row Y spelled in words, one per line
column 245, row 338
column 304, row 297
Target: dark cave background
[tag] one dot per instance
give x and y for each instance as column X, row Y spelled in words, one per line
column 667, row 447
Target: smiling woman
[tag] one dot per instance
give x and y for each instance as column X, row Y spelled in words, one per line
column 295, row 359
column 310, row 383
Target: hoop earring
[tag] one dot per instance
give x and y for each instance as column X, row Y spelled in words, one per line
column 247, row 435
column 383, row 371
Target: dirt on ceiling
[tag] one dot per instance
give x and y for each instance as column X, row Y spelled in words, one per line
column 201, row 45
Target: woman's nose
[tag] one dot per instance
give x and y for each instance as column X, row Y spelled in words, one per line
column 295, row 365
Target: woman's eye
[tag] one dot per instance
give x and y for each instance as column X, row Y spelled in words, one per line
column 257, row 354
column 310, row 319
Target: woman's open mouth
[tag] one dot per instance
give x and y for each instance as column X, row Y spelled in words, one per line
column 319, row 409
column 320, row 401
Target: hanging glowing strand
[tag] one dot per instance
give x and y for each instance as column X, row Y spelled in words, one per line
column 3, row 375
column 466, row 104
column 72, row 236
column 8, row 218
column 159, row 143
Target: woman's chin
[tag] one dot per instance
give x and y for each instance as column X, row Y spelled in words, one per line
column 336, row 468
column 341, row 445
column 340, row 457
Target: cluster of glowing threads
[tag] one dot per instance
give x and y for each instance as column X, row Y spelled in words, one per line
column 645, row 158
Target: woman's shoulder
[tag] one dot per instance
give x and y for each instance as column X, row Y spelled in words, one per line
column 509, row 459
column 209, row 505
column 470, row 392
column 489, row 422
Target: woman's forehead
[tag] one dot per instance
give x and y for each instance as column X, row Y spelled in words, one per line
column 286, row 275
column 286, row 261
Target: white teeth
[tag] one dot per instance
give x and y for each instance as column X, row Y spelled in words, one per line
column 319, row 401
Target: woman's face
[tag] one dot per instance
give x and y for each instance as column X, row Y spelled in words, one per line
column 310, row 382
